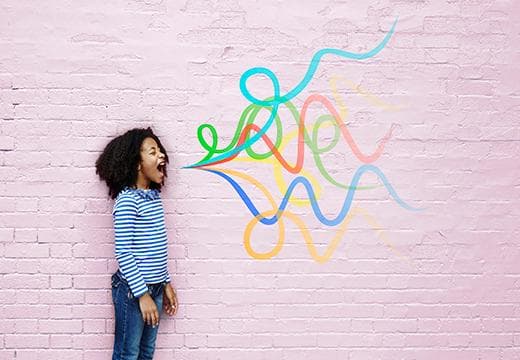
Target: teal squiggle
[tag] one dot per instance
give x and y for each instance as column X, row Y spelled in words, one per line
column 277, row 99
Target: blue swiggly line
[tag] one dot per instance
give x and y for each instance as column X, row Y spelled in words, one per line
column 277, row 99
column 312, row 197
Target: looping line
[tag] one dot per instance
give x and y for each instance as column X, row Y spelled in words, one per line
column 278, row 99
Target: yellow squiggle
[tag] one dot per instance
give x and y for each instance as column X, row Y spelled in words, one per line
column 374, row 100
column 286, row 139
column 313, row 251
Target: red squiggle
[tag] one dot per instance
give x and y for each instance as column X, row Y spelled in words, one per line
column 301, row 142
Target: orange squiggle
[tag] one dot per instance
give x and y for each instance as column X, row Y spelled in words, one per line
column 313, row 251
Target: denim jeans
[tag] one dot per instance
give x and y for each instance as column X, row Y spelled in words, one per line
column 134, row 340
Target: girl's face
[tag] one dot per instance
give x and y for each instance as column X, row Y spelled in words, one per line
column 151, row 165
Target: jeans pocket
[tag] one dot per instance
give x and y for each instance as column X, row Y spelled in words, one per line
column 116, row 280
column 130, row 295
column 119, row 283
column 115, row 288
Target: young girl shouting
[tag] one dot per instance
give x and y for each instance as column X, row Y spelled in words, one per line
column 134, row 167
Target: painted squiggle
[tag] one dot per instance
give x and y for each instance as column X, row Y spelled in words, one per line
column 311, row 247
column 303, row 137
column 310, row 191
column 247, row 133
column 323, row 121
column 278, row 99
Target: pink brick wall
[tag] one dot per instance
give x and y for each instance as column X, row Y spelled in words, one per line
column 445, row 285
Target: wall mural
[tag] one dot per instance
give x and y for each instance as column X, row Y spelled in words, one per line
column 248, row 133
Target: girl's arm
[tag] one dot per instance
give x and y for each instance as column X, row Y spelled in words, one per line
column 170, row 303
column 125, row 215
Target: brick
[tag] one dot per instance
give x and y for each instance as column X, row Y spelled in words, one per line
column 60, row 326
column 7, row 143
column 27, row 296
column 62, row 296
column 26, row 235
column 92, row 341
column 7, row 235
column 49, row 354
column 27, row 250
column 61, row 341
column 26, row 341
column 20, row 281
column 25, row 326
column 58, row 311
column 61, row 250
column 96, row 326
column 26, row 266
column 7, row 354
column 61, row 281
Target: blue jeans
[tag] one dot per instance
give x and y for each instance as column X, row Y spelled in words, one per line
column 134, row 340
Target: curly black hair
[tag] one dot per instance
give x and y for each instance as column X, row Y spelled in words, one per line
column 117, row 164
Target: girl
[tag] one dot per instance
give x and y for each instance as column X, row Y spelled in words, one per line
column 134, row 167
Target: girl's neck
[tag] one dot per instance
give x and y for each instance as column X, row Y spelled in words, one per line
column 142, row 185
column 142, row 182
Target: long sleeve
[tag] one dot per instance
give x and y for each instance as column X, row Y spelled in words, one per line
column 125, row 217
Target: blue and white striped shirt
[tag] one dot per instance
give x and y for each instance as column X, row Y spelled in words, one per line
column 141, row 243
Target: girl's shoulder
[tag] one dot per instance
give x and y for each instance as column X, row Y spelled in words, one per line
column 132, row 200
column 125, row 194
column 125, row 200
column 136, row 194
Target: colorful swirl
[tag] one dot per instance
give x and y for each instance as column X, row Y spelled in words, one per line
column 303, row 137
column 323, row 121
column 310, row 192
column 277, row 99
column 311, row 247
column 247, row 133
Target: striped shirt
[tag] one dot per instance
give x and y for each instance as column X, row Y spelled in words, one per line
column 141, row 243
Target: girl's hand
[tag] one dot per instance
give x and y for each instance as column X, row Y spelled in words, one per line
column 149, row 310
column 170, row 304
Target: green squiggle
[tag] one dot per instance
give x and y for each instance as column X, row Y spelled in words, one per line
column 249, row 115
column 278, row 99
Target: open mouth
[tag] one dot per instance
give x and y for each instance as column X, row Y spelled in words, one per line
column 161, row 167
